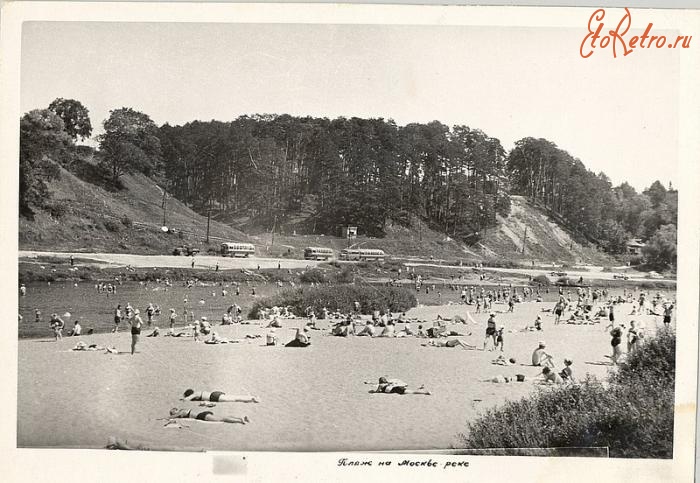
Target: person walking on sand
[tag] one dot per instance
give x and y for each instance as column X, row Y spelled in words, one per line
column 136, row 324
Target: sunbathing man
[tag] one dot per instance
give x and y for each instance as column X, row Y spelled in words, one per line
column 82, row 346
column 395, row 386
column 205, row 416
column 540, row 357
column 216, row 396
column 448, row 343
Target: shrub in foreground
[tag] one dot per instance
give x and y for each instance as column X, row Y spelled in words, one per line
column 341, row 298
column 631, row 414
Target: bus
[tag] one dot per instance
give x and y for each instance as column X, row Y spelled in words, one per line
column 362, row 254
column 318, row 253
column 237, row 249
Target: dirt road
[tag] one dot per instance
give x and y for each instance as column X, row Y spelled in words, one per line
column 171, row 261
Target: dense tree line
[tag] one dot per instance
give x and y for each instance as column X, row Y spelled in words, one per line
column 588, row 203
column 353, row 171
column 266, row 170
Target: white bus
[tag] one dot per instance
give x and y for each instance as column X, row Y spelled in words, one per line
column 237, row 249
column 318, row 253
column 362, row 254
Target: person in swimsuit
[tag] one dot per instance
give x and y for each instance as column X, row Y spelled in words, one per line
column 176, row 413
column 136, row 324
column 616, row 340
column 301, row 339
column 449, row 343
column 216, row 396
column 668, row 313
column 540, row 357
column 490, row 330
column 551, row 377
column 567, row 374
column 57, row 324
column 395, row 386
column 117, row 318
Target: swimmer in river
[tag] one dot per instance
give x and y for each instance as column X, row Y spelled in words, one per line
column 216, row 396
column 395, row 386
column 205, row 416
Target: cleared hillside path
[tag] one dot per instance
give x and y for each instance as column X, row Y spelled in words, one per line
column 172, row 261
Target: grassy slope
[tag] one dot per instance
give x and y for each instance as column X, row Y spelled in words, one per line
column 93, row 222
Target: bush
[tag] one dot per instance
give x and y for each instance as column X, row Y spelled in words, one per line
column 313, row 276
column 632, row 414
column 541, row 279
column 57, row 210
column 112, row 226
column 341, row 298
column 346, row 275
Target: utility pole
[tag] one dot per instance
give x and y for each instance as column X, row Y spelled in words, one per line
column 274, row 226
column 524, row 239
column 208, row 220
column 163, row 205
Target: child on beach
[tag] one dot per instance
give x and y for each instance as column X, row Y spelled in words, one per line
column 57, row 324
column 499, row 338
column 551, row 377
column 567, row 374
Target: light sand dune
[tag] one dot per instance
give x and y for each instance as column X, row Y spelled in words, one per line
column 311, row 399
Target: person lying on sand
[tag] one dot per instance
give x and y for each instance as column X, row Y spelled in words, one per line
column 501, row 379
column 82, row 346
column 171, row 333
column 215, row 339
column 395, row 386
column 176, row 413
column 449, row 343
column 155, row 333
column 502, row 361
column 216, row 396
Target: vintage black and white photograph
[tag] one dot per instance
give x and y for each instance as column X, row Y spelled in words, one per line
column 356, row 237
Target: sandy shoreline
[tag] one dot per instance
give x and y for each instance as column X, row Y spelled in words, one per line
column 311, row 399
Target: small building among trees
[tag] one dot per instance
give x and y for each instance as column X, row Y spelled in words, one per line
column 634, row 246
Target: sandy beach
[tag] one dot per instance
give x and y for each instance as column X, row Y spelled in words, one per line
column 310, row 399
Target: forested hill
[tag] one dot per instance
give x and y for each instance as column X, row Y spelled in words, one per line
column 311, row 176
